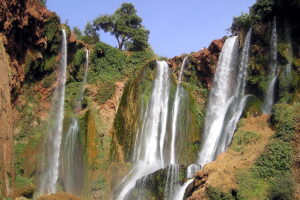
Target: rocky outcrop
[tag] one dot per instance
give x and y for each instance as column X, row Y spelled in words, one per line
column 6, row 127
column 205, row 61
column 222, row 173
column 23, row 24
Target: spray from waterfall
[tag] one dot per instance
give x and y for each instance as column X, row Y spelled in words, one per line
column 50, row 174
column 71, row 154
column 149, row 154
column 269, row 96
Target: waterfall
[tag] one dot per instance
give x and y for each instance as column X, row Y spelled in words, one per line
column 227, row 101
column 178, row 98
column 80, row 96
column 288, row 69
column 172, row 181
column 220, row 99
column 269, row 96
column 149, row 148
column 49, row 176
column 71, row 155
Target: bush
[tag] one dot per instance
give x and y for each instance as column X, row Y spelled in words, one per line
column 243, row 138
column 111, row 64
column 107, row 89
column 282, row 188
column 243, row 21
column 217, row 194
column 250, row 187
column 276, row 160
column 283, row 119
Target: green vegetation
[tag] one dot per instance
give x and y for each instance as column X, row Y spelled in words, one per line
column 270, row 177
column 217, row 194
column 276, row 160
column 251, row 187
column 111, row 64
column 105, row 92
column 126, row 26
column 283, row 120
column 243, row 138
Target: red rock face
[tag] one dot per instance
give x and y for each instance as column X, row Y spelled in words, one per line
column 22, row 25
column 204, row 60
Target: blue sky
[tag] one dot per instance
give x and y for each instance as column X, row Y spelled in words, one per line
column 176, row 26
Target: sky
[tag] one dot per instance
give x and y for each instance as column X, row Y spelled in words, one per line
column 176, row 26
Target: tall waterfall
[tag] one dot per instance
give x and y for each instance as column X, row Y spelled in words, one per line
column 178, row 98
column 220, row 99
column 172, row 181
column 227, row 101
column 49, row 176
column 71, row 154
column 149, row 148
column 269, row 96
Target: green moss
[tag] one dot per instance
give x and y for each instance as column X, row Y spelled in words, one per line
column 22, row 182
column 282, row 187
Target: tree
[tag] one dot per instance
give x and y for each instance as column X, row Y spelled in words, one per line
column 77, row 31
column 126, row 26
column 90, row 34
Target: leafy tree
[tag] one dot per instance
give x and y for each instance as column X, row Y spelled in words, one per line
column 77, row 31
column 44, row 2
column 90, row 34
column 126, row 26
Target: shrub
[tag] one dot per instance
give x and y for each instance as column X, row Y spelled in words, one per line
column 282, row 188
column 243, row 138
column 107, row 89
column 217, row 194
column 283, row 121
column 250, row 187
column 276, row 160
column 243, row 21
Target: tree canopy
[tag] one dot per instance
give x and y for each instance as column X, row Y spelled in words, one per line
column 126, row 26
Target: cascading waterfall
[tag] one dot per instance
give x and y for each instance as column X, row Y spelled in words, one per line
column 239, row 101
column 71, row 159
column 172, row 181
column 149, row 147
column 220, row 99
column 49, row 176
column 178, row 98
column 227, row 101
column 269, row 96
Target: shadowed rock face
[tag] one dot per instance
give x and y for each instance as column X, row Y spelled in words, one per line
column 205, row 61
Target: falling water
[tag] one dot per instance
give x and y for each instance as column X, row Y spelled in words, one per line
column 227, row 101
column 221, row 96
column 288, row 69
column 172, row 181
column 80, row 96
column 269, row 97
column 239, row 101
column 178, row 98
column 49, row 177
column 71, row 155
column 149, row 148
